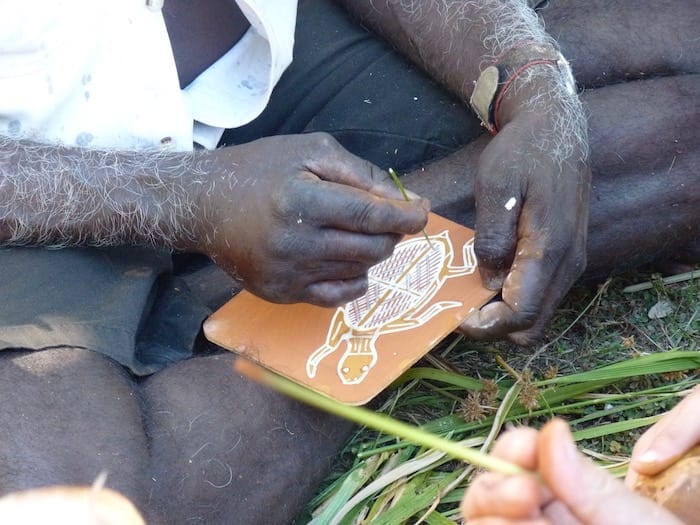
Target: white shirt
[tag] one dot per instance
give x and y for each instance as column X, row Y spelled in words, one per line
column 101, row 74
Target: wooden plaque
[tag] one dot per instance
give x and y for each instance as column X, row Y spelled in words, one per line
column 351, row 353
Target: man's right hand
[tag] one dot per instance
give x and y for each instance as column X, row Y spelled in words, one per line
column 299, row 219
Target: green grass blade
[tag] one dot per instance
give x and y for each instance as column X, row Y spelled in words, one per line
column 614, row 428
column 418, row 495
column 435, row 518
column 449, row 378
column 349, row 486
column 659, row 363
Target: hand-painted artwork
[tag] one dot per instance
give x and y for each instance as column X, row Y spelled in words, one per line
column 398, row 298
column 414, row 299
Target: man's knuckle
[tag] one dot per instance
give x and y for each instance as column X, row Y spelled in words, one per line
column 280, row 244
column 322, row 140
column 364, row 215
column 526, row 317
column 556, row 251
column 377, row 175
column 284, row 203
column 384, row 247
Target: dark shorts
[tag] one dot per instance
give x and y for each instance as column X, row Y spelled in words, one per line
column 132, row 304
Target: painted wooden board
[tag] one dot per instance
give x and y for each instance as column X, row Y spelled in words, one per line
column 351, row 353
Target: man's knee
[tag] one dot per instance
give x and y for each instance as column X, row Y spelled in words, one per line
column 224, row 445
column 67, row 415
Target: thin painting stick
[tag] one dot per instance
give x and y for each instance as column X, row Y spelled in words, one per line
column 401, row 188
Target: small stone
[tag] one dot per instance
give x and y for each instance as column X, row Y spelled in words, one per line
column 660, row 310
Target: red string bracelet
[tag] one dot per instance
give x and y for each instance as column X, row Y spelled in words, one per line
column 510, row 81
column 490, row 87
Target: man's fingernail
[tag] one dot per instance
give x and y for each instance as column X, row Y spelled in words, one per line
column 412, row 196
column 492, row 280
column 471, row 321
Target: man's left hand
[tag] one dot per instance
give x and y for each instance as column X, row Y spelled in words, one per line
column 531, row 191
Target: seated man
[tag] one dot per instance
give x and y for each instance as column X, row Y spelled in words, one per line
column 99, row 108
column 572, row 490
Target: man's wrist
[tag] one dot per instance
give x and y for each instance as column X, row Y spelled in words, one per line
column 517, row 76
column 542, row 89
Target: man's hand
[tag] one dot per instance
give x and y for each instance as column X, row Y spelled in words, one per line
column 531, row 192
column 299, row 219
column 532, row 186
column 570, row 489
column 296, row 218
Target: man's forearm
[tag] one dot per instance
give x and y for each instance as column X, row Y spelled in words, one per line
column 58, row 196
column 453, row 40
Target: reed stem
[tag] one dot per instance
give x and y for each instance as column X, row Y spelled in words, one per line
column 375, row 420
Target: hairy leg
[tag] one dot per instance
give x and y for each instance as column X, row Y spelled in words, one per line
column 195, row 443
column 645, row 202
column 67, row 415
column 646, row 194
column 225, row 449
